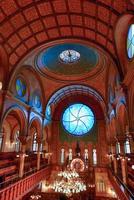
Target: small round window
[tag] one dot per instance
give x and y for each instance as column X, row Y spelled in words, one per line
column 78, row 119
column 69, row 56
column 20, row 87
column 130, row 42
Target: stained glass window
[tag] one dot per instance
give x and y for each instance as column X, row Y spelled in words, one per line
column 62, row 156
column 35, row 144
column 94, row 157
column 69, row 56
column 130, row 42
column 17, row 141
column 127, row 147
column 41, row 147
column 1, row 141
column 118, row 150
column 20, row 87
column 36, row 101
column 78, row 119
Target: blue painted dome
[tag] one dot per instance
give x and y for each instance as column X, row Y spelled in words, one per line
column 67, row 59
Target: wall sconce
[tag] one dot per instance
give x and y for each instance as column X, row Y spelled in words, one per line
column 118, row 157
column 24, row 155
column 48, row 154
column 110, row 154
column 91, row 185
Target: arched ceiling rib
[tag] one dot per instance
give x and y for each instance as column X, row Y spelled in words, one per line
column 26, row 24
column 74, row 89
column 78, row 93
column 72, row 94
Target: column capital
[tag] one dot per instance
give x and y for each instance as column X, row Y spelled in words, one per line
column 121, row 138
column 23, row 140
column 38, row 140
column 113, row 142
column 131, row 134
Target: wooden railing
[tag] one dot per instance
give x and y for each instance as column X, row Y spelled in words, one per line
column 17, row 190
column 120, row 194
column 130, row 171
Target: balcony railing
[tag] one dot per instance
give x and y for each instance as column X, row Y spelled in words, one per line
column 16, row 190
column 121, row 189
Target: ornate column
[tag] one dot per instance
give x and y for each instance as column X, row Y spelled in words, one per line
column 131, row 140
column 121, row 140
column 112, row 157
column 38, row 155
column 124, row 170
column 54, row 144
column 22, row 155
column 113, row 147
column 115, row 165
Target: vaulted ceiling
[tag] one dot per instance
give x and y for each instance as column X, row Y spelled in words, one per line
column 26, row 24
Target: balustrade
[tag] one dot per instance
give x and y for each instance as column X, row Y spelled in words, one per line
column 120, row 194
column 17, row 190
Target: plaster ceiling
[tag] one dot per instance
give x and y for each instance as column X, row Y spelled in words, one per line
column 26, row 24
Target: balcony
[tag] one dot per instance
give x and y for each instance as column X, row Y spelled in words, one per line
column 16, row 190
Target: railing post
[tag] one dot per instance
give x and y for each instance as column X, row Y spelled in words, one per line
column 11, row 193
column 2, row 196
column 38, row 156
column 7, row 195
column 22, row 156
column 123, row 168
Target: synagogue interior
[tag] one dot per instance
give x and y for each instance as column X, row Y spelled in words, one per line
column 67, row 99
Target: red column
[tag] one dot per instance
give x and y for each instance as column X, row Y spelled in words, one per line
column 23, row 140
column 38, row 155
column 115, row 165
column 124, row 170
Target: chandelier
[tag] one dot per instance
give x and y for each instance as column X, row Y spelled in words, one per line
column 68, row 174
column 69, row 183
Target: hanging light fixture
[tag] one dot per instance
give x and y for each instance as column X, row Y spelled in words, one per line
column 69, row 183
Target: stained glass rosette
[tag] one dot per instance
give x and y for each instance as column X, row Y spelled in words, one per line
column 78, row 119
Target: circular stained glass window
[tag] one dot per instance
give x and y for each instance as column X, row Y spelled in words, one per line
column 130, row 42
column 78, row 119
column 20, row 87
column 36, row 101
column 69, row 56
